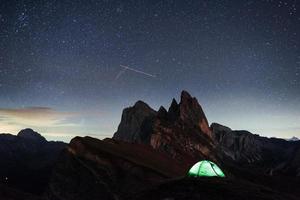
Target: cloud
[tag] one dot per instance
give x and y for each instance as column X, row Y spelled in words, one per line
column 14, row 119
column 35, row 116
column 55, row 124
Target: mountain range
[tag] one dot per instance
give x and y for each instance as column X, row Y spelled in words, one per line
column 293, row 139
column 148, row 158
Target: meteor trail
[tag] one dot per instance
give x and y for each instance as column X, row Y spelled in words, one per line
column 134, row 70
column 120, row 73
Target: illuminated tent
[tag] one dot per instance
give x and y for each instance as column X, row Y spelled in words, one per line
column 205, row 168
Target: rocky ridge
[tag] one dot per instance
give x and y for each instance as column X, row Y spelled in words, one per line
column 27, row 160
column 150, row 154
column 182, row 131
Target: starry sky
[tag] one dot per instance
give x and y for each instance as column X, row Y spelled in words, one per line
column 60, row 63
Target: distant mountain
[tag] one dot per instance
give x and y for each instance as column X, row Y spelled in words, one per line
column 293, row 139
column 26, row 160
column 29, row 134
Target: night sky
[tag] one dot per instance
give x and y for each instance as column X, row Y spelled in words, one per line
column 60, row 63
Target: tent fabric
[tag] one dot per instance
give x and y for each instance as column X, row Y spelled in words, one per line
column 205, row 168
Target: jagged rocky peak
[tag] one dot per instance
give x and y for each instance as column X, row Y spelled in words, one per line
column 137, row 122
column 31, row 135
column 173, row 112
column 133, row 118
column 162, row 113
column 191, row 112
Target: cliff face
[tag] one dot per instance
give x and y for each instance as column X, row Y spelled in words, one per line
column 133, row 126
column 271, row 155
column 182, row 131
column 191, row 113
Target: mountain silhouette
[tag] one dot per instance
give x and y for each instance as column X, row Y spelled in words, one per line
column 149, row 157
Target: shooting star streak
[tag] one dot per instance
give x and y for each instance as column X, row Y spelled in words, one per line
column 120, row 74
column 137, row 71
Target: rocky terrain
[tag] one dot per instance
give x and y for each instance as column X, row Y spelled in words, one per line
column 271, row 155
column 151, row 152
column 211, row 189
column 109, row 169
column 149, row 156
column 26, row 161
column 182, row 131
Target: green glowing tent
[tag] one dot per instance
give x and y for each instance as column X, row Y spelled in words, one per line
column 205, row 168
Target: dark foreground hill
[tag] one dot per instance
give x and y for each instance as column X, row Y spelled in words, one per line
column 94, row 169
column 151, row 153
column 211, row 189
column 27, row 160
column 9, row 193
